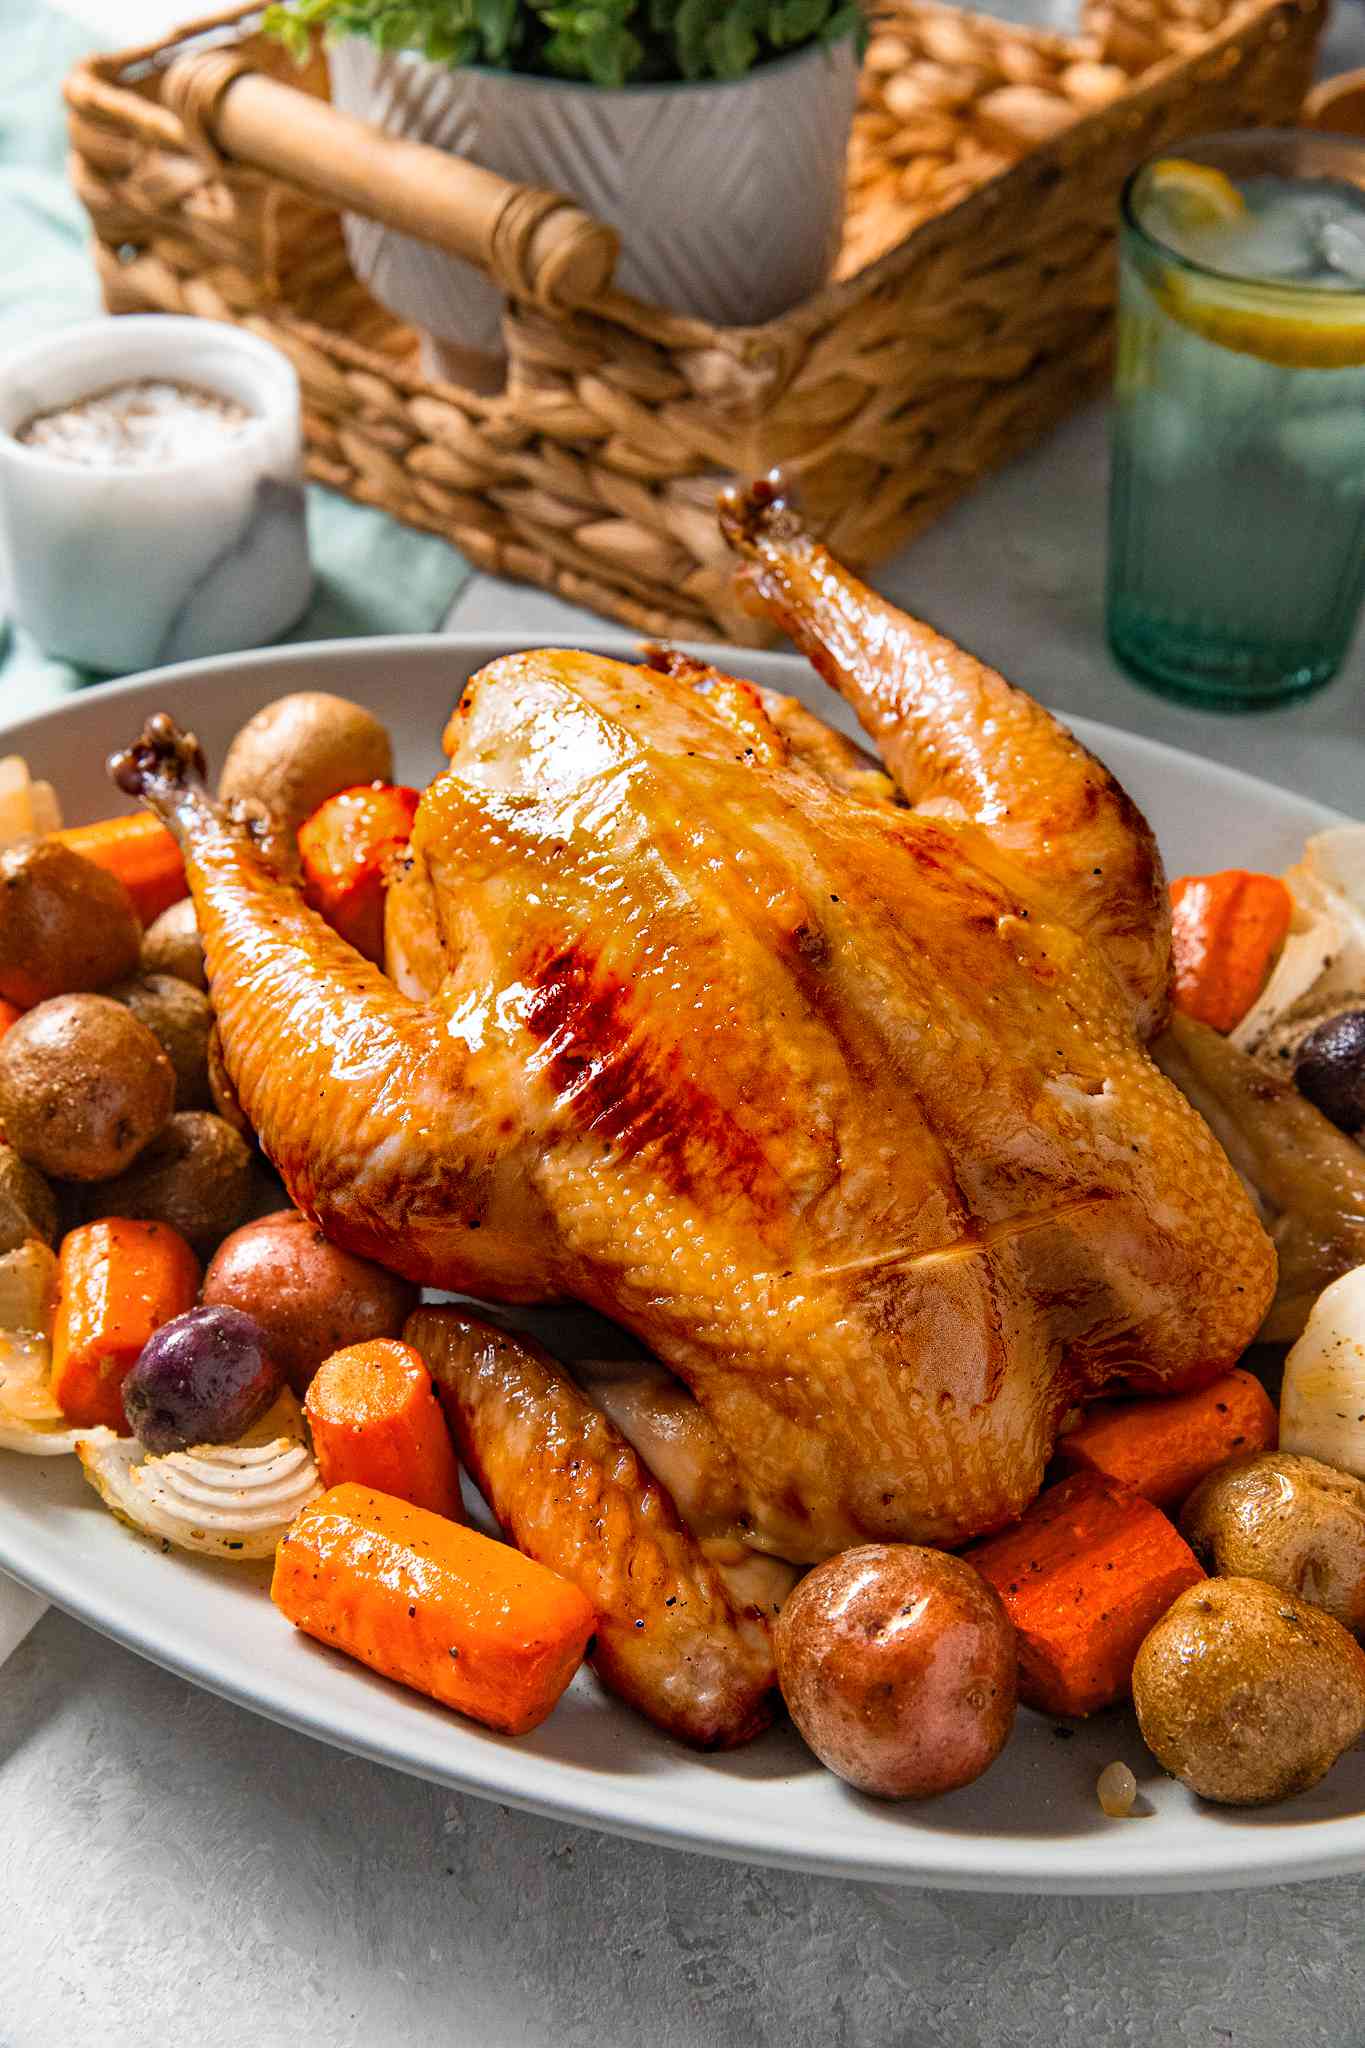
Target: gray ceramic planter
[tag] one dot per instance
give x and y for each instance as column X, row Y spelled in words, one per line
column 728, row 197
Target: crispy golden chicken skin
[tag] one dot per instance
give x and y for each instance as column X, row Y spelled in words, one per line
column 841, row 1106
column 570, row 1492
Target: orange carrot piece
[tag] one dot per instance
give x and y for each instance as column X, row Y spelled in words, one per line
column 1226, row 930
column 376, row 1420
column 1163, row 1448
column 141, row 852
column 433, row 1604
column 1083, row 1577
column 348, row 848
column 117, row 1281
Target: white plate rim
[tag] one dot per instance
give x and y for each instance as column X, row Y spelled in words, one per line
column 1316, row 1848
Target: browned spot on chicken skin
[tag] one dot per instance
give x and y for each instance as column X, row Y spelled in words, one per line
column 627, row 1088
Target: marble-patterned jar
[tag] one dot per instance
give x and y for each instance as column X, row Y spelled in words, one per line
column 183, row 541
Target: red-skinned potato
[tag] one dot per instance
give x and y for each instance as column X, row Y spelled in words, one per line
column 310, row 1298
column 898, row 1666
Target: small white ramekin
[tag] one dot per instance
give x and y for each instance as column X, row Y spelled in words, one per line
column 127, row 569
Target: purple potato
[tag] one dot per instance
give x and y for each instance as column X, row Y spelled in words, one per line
column 202, row 1378
column 1330, row 1070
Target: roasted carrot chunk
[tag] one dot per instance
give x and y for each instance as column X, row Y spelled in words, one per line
column 1226, row 930
column 434, row 1605
column 376, row 1420
column 348, row 848
column 117, row 1281
column 1083, row 1577
column 141, row 852
column 1163, row 1448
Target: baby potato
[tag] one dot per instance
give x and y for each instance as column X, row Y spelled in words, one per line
column 179, row 1018
column 83, row 1087
column 28, row 1207
column 898, row 1666
column 1291, row 1521
column 171, row 945
column 308, row 1296
column 1246, row 1693
column 65, row 925
column 196, row 1175
column 300, row 750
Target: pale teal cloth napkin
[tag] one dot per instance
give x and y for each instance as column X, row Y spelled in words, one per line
column 373, row 575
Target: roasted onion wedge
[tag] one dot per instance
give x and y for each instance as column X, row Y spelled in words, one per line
column 232, row 1501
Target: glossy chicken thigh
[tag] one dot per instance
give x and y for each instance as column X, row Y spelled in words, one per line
column 841, row 1106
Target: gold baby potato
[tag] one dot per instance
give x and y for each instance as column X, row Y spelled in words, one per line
column 179, row 1018
column 65, row 924
column 300, row 750
column 171, row 945
column 28, row 1207
column 1246, row 1693
column 196, row 1176
column 1292, row 1521
column 898, row 1666
column 83, row 1087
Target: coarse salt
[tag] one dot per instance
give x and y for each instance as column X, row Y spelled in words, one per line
column 140, row 425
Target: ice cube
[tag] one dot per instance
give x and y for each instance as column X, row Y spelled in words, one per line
column 1313, row 233
column 1281, row 241
column 1343, row 245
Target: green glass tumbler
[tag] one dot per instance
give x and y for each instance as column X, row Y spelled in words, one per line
column 1237, row 492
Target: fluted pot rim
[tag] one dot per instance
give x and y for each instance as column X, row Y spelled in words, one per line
column 497, row 74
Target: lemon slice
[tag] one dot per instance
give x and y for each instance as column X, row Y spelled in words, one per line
column 1328, row 334
column 1193, row 195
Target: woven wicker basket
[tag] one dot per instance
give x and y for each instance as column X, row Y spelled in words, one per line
column 970, row 310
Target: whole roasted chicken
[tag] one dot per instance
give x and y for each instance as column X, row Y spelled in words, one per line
column 827, row 1083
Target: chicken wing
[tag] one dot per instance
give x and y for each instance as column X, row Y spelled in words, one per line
column 570, row 1492
column 962, row 741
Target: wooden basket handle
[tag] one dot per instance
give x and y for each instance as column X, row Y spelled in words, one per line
column 535, row 243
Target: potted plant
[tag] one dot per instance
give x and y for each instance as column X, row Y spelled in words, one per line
column 710, row 133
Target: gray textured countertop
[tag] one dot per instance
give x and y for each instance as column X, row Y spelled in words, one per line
column 174, row 1871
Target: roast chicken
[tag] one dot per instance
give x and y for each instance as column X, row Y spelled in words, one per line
column 825, row 1080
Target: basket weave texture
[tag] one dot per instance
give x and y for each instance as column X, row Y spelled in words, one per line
column 971, row 306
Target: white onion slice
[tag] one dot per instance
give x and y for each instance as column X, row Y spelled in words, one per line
column 27, row 808
column 46, row 810
column 1322, row 1399
column 1334, row 865
column 42, row 1440
column 28, row 1289
column 30, row 1420
column 233, row 1501
column 1324, row 954
column 1310, row 952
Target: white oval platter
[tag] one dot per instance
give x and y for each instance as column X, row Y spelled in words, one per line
column 1031, row 1824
